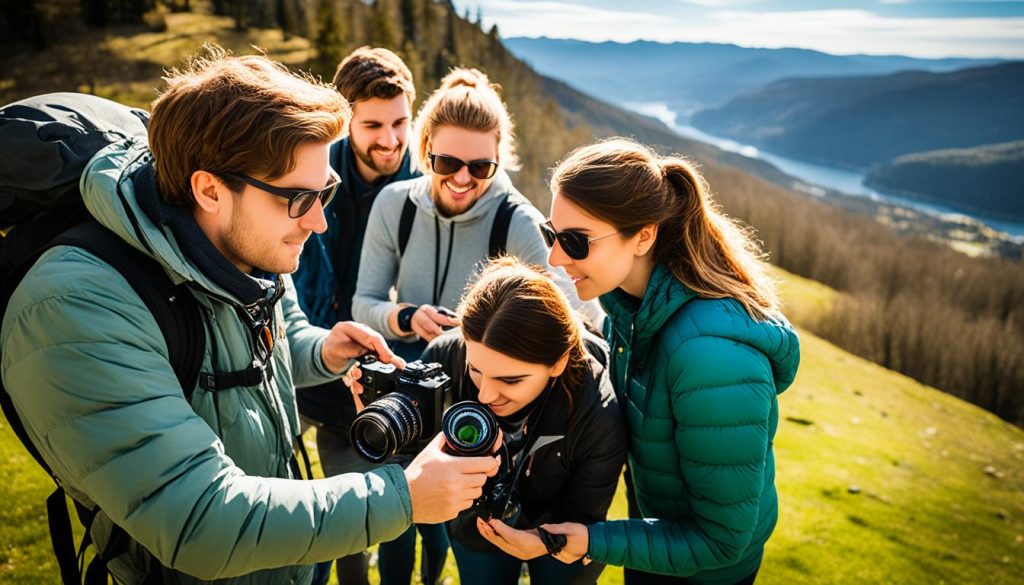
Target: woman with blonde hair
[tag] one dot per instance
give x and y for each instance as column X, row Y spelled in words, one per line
column 700, row 351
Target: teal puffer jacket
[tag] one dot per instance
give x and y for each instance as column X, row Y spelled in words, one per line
column 206, row 487
column 698, row 381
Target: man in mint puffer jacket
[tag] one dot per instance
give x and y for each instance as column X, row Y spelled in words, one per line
column 206, row 490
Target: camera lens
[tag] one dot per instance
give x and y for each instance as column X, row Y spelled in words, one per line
column 386, row 426
column 470, row 429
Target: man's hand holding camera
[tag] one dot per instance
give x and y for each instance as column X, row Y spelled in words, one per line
column 442, row 485
column 349, row 340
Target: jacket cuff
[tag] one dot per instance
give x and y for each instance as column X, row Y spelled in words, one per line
column 597, row 548
column 397, row 476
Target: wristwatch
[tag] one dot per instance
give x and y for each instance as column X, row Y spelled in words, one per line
column 405, row 318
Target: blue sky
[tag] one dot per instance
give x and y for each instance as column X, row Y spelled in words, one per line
column 920, row 28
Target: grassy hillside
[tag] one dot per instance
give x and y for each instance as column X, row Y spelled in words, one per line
column 881, row 480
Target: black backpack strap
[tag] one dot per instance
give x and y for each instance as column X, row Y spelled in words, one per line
column 177, row 314
column 173, row 306
column 499, row 229
column 405, row 224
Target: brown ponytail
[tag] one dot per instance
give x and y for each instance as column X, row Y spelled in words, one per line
column 629, row 186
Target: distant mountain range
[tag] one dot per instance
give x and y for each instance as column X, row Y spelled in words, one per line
column 858, row 112
column 693, row 76
column 860, row 122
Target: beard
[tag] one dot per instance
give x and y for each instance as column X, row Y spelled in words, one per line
column 451, row 209
column 366, row 156
column 244, row 242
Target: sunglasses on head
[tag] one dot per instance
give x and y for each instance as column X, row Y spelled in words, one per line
column 299, row 200
column 575, row 244
column 443, row 164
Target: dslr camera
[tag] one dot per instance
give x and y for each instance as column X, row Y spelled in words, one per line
column 404, row 408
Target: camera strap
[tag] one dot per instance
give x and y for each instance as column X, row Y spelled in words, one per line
column 528, row 448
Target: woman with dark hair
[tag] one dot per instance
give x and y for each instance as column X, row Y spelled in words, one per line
column 522, row 352
column 699, row 350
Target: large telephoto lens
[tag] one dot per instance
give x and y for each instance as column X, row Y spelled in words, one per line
column 386, row 426
column 470, row 429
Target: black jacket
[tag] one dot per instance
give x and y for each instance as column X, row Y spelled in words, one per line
column 571, row 478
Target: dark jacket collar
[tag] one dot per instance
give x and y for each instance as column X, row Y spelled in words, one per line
column 638, row 321
column 194, row 243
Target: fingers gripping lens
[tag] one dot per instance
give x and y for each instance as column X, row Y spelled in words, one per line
column 443, row 164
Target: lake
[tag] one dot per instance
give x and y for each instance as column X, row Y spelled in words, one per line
column 844, row 180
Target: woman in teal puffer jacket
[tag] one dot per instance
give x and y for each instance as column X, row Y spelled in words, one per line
column 700, row 352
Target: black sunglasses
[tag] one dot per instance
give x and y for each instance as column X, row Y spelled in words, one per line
column 575, row 244
column 443, row 164
column 299, row 200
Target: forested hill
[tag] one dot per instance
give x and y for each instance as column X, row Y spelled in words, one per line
column 986, row 179
column 860, row 122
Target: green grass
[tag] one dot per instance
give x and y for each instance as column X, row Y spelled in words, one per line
column 925, row 510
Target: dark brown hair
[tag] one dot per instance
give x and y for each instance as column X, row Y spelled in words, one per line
column 629, row 186
column 517, row 310
column 228, row 114
column 373, row 72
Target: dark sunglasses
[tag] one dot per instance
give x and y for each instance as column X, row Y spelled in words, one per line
column 575, row 244
column 443, row 164
column 299, row 200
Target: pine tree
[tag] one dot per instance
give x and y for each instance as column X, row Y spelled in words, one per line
column 328, row 44
column 383, row 30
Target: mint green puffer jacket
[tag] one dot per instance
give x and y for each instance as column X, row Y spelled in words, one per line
column 697, row 380
column 205, row 489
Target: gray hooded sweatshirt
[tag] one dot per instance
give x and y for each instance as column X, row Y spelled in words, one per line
column 420, row 271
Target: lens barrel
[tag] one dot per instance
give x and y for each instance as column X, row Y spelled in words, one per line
column 470, row 429
column 386, row 426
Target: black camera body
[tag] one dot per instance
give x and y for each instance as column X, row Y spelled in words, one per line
column 403, row 408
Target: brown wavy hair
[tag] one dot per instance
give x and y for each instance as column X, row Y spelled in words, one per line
column 374, row 72
column 515, row 309
column 630, row 186
column 227, row 114
column 467, row 99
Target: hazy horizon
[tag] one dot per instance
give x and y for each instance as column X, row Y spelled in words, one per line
column 912, row 28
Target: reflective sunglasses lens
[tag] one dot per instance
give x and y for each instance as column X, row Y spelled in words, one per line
column 483, row 169
column 575, row 245
column 445, row 165
column 302, row 203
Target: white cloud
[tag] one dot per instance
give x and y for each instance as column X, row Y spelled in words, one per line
column 838, row 31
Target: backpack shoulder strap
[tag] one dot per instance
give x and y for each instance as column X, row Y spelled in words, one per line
column 405, row 224
column 499, row 229
column 173, row 306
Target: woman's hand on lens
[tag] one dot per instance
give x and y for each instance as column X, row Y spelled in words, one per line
column 577, row 541
column 522, row 544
